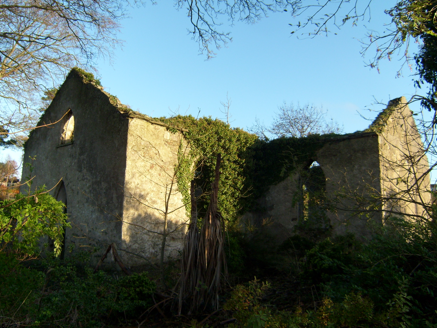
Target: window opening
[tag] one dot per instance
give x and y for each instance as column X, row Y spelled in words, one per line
column 68, row 129
column 312, row 205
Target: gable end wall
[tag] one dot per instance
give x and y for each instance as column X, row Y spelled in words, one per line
column 92, row 167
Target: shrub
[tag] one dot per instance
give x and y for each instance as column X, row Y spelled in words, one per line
column 20, row 289
column 26, row 219
column 245, row 304
column 134, row 292
column 78, row 297
column 396, row 271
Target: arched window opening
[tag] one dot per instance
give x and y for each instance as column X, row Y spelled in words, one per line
column 312, row 205
column 68, row 129
column 61, row 195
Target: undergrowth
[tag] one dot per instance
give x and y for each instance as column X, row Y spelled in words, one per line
column 69, row 294
column 390, row 281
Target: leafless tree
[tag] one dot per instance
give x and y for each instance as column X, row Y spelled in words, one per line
column 8, row 170
column 291, row 121
column 8, row 175
column 157, row 218
column 308, row 19
column 226, row 110
column 40, row 40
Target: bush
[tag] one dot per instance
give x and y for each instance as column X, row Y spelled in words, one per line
column 245, row 303
column 69, row 294
column 26, row 219
column 396, row 270
column 20, row 289
column 134, row 292
column 77, row 296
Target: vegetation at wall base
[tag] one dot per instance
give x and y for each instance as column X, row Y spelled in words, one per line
column 28, row 218
column 390, row 281
column 68, row 293
column 341, row 282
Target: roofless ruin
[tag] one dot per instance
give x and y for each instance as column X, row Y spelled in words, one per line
column 117, row 172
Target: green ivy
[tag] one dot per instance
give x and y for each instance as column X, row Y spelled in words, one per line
column 270, row 162
column 207, row 138
column 249, row 165
column 381, row 120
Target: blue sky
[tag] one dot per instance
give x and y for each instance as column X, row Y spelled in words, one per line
column 159, row 71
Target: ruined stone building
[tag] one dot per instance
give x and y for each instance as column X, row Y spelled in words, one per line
column 355, row 180
column 114, row 169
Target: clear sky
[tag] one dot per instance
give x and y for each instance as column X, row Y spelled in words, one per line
column 159, row 71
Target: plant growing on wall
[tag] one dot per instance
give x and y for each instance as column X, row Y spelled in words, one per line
column 208, row 137
column 249, row 166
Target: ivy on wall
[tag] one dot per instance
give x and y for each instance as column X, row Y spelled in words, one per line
column 208, row 137
column 270, row 162
column 249, row 165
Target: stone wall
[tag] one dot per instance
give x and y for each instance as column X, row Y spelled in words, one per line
column 152, row 197
column 115, row 169
column 366, row 175
column 91, row 167
column 405, row 184
column 351, row 167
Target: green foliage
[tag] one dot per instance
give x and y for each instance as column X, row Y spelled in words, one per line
column 246, row 306
column 249, row 166
column 380, row 121
column 75, row 296
column 184, row 174
column 26, row 219
column 270, row 162
column 354, row 310
column 207, row 138
column 390, row 281
column 245, row 303
column 330, row 258
column 19, row 287
column 135, row 291
column 417, row 19
column 235, row 254
column 89, row 77
column 426, row 63
column 113, row 100
column 68, row 293
column 94, row 296
column 396, row 270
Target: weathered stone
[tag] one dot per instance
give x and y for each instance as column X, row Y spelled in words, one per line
column 369, row 175
column 116, row 170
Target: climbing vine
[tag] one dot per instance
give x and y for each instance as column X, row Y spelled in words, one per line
column 270, row 162
column 249, row 165
column 208, row 137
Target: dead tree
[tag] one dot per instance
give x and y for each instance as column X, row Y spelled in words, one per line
column 203, row 257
